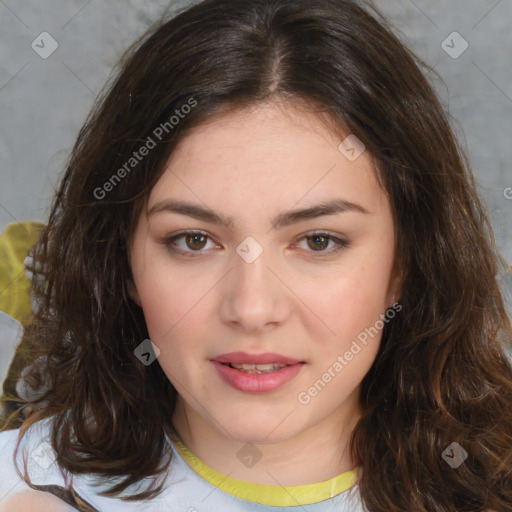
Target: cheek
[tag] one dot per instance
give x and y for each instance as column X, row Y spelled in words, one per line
column 163, row 308
column 158, row 289
column 349, row 302
column 173, row 303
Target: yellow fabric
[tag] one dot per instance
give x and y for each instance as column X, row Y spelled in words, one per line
column 15, row 244
column 271, row 495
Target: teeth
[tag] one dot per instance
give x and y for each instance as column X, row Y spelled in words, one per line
column 258, row 368
column 245, row 366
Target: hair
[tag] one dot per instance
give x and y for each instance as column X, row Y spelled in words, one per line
column 441, row 374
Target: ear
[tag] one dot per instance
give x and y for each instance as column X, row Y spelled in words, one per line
column 132, row 292
column 396, row 284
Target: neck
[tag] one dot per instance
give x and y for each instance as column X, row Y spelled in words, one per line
column 314, row 455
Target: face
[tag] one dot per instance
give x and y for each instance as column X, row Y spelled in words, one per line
column 230, row 270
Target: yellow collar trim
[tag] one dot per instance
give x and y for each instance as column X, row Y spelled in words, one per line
column 271, row 495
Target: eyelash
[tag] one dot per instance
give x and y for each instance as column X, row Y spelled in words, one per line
column 169, row 243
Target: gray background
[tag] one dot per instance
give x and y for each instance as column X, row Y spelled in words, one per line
column 43, row 102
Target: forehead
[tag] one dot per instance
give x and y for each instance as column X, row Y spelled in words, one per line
column 277, row 125
column 268, row 154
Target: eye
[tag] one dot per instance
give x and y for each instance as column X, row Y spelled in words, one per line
column 194, row 241
column 319, row 241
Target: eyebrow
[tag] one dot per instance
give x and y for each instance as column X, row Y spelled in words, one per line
column 331, row 207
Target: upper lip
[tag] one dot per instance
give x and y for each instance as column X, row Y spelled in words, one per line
column 243, row 357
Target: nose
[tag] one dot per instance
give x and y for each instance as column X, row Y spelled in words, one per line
column 254, row 298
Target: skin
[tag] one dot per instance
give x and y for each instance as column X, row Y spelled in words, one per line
column 253, row 164
column 30, row 500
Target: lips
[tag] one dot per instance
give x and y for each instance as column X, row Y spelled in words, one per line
column 245, row 358
column 256, row 373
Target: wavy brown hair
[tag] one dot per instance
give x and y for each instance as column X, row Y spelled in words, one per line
column 440, row 376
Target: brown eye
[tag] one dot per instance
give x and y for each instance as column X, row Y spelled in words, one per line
column 195, row 241
column 189, row 243
column 319, row 242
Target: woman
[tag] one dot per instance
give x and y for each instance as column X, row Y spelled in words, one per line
column 324, row 324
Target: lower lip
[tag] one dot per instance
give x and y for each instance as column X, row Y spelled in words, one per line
column 257, row 382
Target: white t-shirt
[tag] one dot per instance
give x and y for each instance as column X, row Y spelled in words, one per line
column 190, row 485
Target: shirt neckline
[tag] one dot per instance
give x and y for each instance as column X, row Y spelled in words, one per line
column 270, row 495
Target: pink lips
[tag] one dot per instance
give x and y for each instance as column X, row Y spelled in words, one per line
column 253, row 382
column 243, row 357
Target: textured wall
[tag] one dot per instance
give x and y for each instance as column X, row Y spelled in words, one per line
column 44, row 101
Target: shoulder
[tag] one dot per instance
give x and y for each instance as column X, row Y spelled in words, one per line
column 31, row 500
column 35, row 454
column 15, row 494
